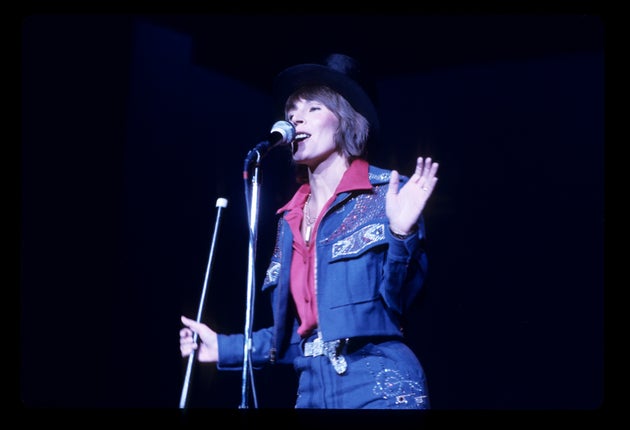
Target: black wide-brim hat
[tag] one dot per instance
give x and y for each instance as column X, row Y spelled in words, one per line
column 340, row 73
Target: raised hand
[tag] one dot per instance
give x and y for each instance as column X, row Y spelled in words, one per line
column 404, row 206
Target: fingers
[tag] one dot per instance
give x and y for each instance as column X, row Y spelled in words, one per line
column 430, row 168
column 187, row 349
column 423, row 176
column 187, row 332
column 423, row 166
column 425, row 171
column 187, row 344
column 186, row 340
column 419, row 168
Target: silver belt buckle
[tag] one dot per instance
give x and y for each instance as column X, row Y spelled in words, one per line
column 339, row 363
column 318, row 347
column 314, row 348
column 337, row 360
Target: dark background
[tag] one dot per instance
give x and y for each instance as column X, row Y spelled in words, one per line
column 133, row 125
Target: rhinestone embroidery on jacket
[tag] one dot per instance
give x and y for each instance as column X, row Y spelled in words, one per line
column 271, row 276
column 359, row 240
column 367, row 207
column 381, row 177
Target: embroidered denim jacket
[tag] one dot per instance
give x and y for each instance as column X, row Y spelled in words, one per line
column 366, row 278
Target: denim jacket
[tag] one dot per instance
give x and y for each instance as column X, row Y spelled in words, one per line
column 366, row 278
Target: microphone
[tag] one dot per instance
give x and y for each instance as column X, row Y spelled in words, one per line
column 282, row 133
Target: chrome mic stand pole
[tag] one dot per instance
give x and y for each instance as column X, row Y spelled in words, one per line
column 221, row 203
column 282, row 132
column 251, row 278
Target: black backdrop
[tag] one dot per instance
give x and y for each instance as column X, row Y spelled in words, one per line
column 133, row 126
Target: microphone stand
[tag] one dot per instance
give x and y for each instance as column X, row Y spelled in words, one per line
column 253, row 203
column 282, row 132
column 221, row 203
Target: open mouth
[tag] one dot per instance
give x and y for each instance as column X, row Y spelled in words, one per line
column 298, row 138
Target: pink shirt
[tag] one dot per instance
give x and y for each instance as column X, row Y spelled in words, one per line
column 303, row 283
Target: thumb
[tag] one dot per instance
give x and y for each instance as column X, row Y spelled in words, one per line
column 188, row 322
column 394, row 179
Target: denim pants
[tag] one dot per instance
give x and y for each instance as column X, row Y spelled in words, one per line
column 379, row 375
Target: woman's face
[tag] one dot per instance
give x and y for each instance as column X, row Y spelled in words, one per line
column 315, row 127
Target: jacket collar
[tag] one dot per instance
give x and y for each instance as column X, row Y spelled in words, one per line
column 359, row 176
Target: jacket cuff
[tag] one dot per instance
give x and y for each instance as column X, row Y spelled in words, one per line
column 402, row 249
column 230, row 351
